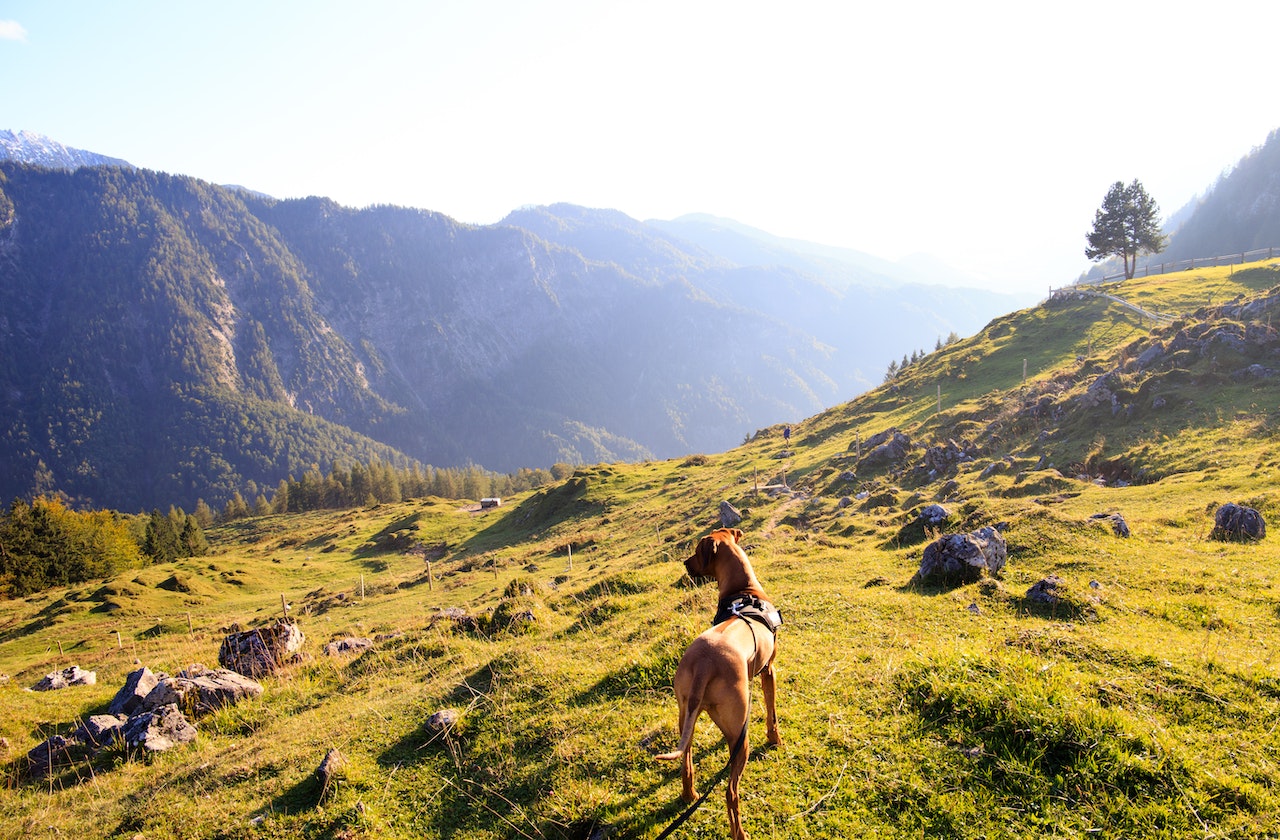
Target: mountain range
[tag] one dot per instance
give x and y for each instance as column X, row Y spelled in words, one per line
column 166, row 339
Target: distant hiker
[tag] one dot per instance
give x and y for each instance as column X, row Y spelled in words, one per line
column 786, row 434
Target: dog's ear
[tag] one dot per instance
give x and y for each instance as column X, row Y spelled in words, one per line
column 737, row 534
column 707, row 551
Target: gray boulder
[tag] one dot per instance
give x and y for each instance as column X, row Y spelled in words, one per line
column 330, row 771
column 351, row 644
column 65, row 678
column 1118, row 526
column 964, row 556
column 56, row 751
column 934, row 515
column 1237, row 523
column 886, row 448
column 132, row 696
column 101, row 731
column 158, row 730
column 257, row 653
column 201, row 690
column 729, row 515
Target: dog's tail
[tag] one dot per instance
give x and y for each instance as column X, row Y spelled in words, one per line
column 686, row 737
column 696, row 692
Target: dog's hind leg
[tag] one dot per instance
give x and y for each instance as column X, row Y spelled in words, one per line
column 690, row 708
column 768, row 682
column 732, row 720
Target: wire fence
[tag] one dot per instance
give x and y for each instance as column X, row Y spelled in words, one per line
column 1153, row 268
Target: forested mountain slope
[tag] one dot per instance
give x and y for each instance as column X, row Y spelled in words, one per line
column 166, row 339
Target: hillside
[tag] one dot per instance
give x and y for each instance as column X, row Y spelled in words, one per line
column 1142, row 705
column 1239, row 213
column 166, row 339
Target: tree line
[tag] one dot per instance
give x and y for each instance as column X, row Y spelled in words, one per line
column 378, row 482
column 44, row 543
column 895, row 368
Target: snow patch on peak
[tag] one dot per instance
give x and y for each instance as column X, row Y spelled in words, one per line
column 36, row 149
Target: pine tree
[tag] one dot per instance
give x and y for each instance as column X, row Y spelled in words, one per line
column 1126, row 226
column 192, row 539
column 161, row 543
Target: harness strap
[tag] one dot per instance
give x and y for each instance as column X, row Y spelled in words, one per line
column 750, row 608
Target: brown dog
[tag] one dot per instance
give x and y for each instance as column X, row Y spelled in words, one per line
column 716, row 671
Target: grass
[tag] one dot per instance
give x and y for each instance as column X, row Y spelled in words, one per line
column 1143, row 705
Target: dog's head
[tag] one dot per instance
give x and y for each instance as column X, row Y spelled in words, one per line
column 703, row 562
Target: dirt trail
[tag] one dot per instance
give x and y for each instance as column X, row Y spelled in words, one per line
column 779, row 512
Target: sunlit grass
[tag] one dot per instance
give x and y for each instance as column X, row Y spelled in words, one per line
column 1144, row 705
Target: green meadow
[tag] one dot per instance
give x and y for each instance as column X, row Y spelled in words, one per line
column 1145, row 703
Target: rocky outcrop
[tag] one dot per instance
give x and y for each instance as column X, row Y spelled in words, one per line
column 132, row 696
column 886, row 449
column 260, row 652
column 202, row 690
column 158, row 730
column 1237, row 523
column 66, row 678
column 963, row 557
column 944, row 458
column 148, row 714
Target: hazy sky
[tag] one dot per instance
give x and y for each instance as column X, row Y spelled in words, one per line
column 983, row 133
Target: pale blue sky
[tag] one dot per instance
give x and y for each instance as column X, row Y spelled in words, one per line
column 983, row 133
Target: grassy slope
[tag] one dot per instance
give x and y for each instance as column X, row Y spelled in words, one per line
column 1144, row 706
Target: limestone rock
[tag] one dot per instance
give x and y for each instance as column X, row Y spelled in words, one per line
column 131, row 697
column 934, row 515
column 201, row 690
column 351, row 644
column 1237, row 523
column 56, row 751
column 964, row 556
column 257, row 653
column 101, row 730
column 65, row 678
column 158, row 730
column 1118, row 526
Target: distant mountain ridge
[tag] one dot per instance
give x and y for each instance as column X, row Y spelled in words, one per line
column 29, row 147
column 1239, row 213
column 168, row 339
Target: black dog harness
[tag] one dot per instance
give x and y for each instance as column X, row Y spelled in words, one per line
column 753, row 611
column 749, row 608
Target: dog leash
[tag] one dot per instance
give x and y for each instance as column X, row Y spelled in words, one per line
column 724, row 771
